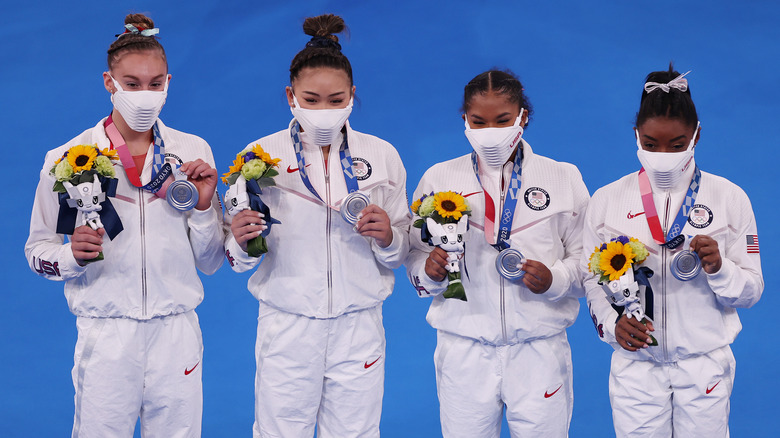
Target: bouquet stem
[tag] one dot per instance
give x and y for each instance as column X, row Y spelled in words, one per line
column 257, row 246
column 653, row 342
column 96, row 259
column 455, row 287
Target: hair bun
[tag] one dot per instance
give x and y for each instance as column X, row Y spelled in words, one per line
column 325, row 25
column 140, row 21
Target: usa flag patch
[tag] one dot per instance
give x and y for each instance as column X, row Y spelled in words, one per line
column 752, row 244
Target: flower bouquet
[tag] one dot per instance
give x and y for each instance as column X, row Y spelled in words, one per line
column 85, row 178
column 613, row 262
column 443, row 221
column 252, row 170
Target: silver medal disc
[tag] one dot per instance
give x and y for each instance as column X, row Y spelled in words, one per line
column 353, row 204
column 508, row 264
column 685, row 265
column 182, row 195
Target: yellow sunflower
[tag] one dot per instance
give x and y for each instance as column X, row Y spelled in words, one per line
column 110, row 153
column 449, row 204
column 265, row 156
column 81, row 157
column 416, row 205
column 616, row 259
column 238, row 163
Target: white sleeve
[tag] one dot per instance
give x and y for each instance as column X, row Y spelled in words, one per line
column 418, row 254
column 566, row 276
column 397, row 209
column 46, row 251
column 602, row 313
column 205, row 229
column 739, row 282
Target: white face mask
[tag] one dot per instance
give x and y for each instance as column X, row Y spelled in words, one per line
column 494, row 146
column 322, row 126
column 666, row 168
column 139, row 108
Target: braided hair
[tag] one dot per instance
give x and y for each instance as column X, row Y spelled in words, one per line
column 501, row 82
column 134, row 42
column 674, row 104
column 323, row 50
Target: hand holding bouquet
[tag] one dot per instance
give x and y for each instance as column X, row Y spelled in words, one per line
column 84, row 177
column 613, row 262
column 443, row 221
column 252, row 170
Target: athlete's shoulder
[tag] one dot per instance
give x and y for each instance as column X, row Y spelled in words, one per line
column 453, row 168
column 626, row 182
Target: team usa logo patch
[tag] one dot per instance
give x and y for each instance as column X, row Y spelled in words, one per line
column 361, row 167
column 700, row 216
column 537, row 198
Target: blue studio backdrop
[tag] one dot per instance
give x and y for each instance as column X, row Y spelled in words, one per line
column 582, row 64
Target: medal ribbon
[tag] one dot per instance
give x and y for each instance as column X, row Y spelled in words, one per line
column 674, row 237
column 344, row 155
column 508, row 209
column 161, row 170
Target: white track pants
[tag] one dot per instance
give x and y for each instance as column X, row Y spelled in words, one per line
column 533, row 380
column 328, row 372
column 124, row 368
column 689, row 398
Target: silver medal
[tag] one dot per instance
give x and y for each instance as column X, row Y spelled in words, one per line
column 685, row 265
column 352, row 205
column 182, row 194
column 508, row 263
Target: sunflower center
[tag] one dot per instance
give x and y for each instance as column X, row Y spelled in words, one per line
column 82, row 160
column 448, row 205
column 617, row 262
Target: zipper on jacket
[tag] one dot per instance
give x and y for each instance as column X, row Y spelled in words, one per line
column 663, row 277
column 327, row 232
column 143, row 251
column 501, row 289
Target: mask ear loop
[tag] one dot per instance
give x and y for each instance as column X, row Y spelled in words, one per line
column 692, row 144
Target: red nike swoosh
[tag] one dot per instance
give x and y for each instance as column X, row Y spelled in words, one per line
column 466, row 196
column 368, row 365
column 188, row 371
column 291, row 170
column 709, row 390
column 631, row 216
column 550, row 394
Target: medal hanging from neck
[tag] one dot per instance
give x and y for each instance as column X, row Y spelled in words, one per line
column 686, row 264
column 509, row 260
column 355, row 201
column 180, row 193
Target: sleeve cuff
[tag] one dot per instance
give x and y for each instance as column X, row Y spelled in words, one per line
column 200, row 219
column 560, row 283
column 69, row 267
column 392, row 249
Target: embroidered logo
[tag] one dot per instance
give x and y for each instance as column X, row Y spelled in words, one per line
column 361, row 167
column 291, row 170
column 188, row 371
column 631, row 216
column 752, row 243
column 710, row 388
column 550, row 394
column 700, row 216
column 537, row 198
column 367, row 365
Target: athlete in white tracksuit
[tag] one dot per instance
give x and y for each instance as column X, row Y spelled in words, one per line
column 139, row 344
column 320, row 340
column 680, row 387
column 506, row 345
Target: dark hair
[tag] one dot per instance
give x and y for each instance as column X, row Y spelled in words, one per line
column 134, row 42
column 675, row 104
column 500, row 82
column 323, row 50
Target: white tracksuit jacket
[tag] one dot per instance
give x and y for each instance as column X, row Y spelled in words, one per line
column 150, row 267
column 690, row 317
column 499, row 312
column 317, row 265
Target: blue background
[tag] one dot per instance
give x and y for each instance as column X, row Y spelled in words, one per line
column 582, row 64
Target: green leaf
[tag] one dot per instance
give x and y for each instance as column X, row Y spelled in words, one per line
column 265, row 182
column 455, row 287
column 271, row 172
column 418, row 223
column 58, row 187
column 231, row 179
